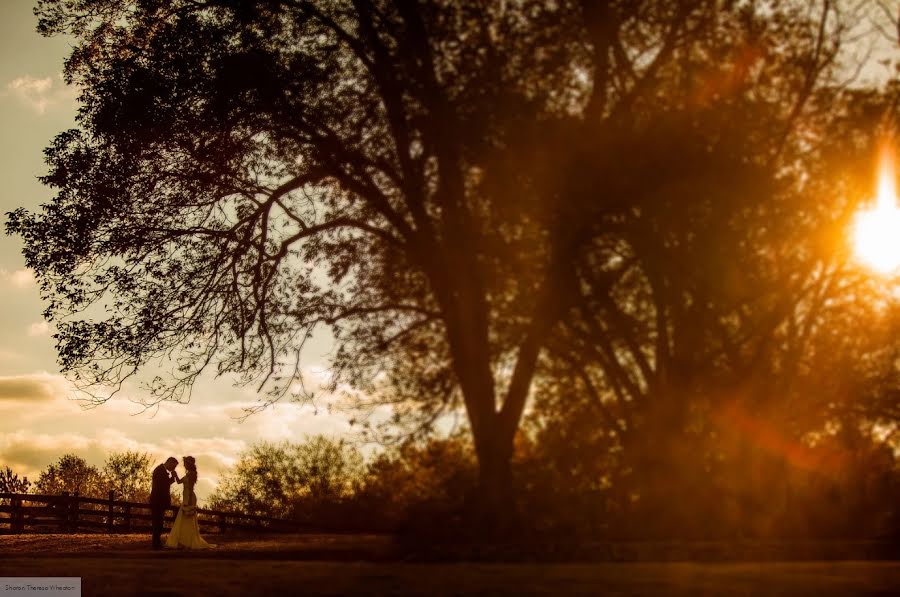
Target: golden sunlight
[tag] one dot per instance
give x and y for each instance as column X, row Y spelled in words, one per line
column 876, row 232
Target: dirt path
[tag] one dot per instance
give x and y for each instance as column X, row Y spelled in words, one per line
column 229, row 546
column 361, row 565
column 212, row 576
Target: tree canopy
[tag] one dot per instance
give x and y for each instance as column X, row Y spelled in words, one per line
column 11, row 483
column 289, row 479
column 71, row 474
column 441, row 184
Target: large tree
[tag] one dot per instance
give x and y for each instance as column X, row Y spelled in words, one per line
column 290, row 480
column 128, row 474
column 71, row 474
column 423, row 177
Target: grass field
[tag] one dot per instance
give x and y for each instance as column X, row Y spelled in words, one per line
column 122, row 565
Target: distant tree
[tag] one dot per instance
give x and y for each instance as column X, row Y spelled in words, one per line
column 129, row 475
column 286, row 479
column 419, row 485
column 11, row 483
column 739, row 430
column 569, row 472
column 851, row 491
column 430, row 179
column 72, row 474
column 326, row 469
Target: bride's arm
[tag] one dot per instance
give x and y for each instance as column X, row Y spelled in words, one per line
column 193, row 481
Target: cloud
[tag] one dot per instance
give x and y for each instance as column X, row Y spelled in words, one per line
column 9, row 355
column 293, row 422
column 21, row 278
column 39, row 387
column 32, row 91
column 39, row 328
column 30, row 452
column 40, row 93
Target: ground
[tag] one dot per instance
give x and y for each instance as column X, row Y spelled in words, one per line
column 356, row 565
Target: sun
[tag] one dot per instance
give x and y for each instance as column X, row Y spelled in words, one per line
column 876, row 231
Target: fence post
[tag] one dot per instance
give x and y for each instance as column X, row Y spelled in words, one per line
column 63, row 510
column 222, row 523
column 16, row 521
column 127, row 515
column 73, row 511
column 109, row 521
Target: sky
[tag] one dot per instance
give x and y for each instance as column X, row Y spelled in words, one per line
column 39, row 419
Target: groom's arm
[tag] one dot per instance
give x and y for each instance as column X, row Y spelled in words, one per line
column 162, row 477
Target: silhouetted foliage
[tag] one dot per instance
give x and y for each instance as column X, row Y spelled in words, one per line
column 11, row 483
column 129, row 474
column 842, row 483
column 71, row 474
column 423, row 488
column 291, row 480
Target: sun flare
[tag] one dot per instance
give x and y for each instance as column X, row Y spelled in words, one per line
column 876, row 231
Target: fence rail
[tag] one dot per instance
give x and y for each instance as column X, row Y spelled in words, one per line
column 24, row 512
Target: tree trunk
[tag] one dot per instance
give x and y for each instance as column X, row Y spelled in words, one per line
column 658, row 455
column 494, row 503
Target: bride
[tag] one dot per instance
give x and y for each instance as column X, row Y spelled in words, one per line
column 185, row 531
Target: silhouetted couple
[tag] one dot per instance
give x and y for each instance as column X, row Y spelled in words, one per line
column 185, row 532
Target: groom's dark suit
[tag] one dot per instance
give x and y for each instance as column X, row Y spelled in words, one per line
column 159, row 501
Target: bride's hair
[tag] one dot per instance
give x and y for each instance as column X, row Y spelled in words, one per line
column 189, row 464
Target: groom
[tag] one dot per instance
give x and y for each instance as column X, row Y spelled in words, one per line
column 159, row 497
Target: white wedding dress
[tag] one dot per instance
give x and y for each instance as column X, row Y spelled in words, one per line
column 185, row 533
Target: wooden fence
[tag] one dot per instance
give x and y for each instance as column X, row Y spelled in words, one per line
column 23, row 512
